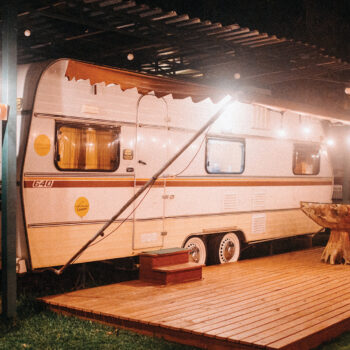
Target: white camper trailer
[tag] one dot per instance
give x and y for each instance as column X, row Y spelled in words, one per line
column 90, row 136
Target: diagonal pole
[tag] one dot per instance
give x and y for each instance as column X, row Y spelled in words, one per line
column 9, row 200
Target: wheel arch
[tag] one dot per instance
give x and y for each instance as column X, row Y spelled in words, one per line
column 207, row 235
column 240, row 235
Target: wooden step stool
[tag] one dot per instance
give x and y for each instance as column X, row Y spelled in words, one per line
column 168, row 266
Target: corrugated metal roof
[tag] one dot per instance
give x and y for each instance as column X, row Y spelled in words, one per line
column 168, row 43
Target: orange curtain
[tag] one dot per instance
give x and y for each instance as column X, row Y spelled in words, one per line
column 106, row 150
column 91, row 147
column 69, row 146
column 87, row 149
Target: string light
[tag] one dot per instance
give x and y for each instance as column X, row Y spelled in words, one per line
column 27, row 32
column 130, row 56
column 305, row 127
column 306, row 130
column 330, row 142
column 281, row 132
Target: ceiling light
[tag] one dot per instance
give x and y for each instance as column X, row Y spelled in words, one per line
column 282, row 132
column 27, row 32
column 237, row 76
column 306, row 130
column 330, row 142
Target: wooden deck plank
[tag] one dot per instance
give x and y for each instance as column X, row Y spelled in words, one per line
column 221, row 312
column 262, row 312
column 238, row 300
column 223, row 326
column 217, row 292
column 288, row 301
column 216, row 296
column 338, row 322
column 306, row 321
column 275, row 324
column 179, row 297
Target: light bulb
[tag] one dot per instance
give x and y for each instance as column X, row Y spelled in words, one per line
column 330, row 142
column 306, row 130
column 237, row 76
column 281, row 132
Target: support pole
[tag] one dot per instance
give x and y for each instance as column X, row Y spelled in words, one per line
column 9, row 193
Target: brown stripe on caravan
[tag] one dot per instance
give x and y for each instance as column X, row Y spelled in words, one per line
column 46, row 182
column 238, row 182
column 49, row 183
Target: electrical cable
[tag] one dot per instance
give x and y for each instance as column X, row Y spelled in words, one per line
column 105, row 236
column 193, row 158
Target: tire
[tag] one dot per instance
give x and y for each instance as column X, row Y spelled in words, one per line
column 198, row 250
column 224, row 248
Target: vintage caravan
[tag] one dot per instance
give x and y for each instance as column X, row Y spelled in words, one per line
column 90, row 136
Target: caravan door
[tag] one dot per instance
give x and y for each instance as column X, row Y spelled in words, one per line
column 151, row 154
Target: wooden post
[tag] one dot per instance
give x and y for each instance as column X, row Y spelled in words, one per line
column 9, row 193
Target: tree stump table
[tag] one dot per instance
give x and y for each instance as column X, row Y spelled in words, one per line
column 336, row 217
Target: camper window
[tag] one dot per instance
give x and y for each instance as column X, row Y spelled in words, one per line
column 225, row 156
column 306, row 159
column 86, row 147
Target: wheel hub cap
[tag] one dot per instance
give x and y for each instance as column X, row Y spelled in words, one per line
column 194, row 253
column 229, row 250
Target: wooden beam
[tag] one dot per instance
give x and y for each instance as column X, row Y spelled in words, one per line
column 281, row 75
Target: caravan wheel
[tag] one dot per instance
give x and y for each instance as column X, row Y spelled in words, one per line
column 198, row 250
column 224, row 248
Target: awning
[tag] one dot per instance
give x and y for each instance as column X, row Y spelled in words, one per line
column 143, row 83
column 180, row 89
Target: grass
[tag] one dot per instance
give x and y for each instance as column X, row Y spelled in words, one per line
column 340, row 343
column 37, row 328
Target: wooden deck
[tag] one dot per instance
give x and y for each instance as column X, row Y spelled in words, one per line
column 288, row 301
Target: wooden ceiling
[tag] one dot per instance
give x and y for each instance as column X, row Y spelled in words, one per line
column 167, row 43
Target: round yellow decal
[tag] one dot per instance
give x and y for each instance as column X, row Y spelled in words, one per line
column 42, row 145
column 81, row 206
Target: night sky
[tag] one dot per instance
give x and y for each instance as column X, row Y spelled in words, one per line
column 324, row 23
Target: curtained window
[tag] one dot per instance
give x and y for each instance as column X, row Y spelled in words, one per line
column 306, row 159
column 86, row 147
